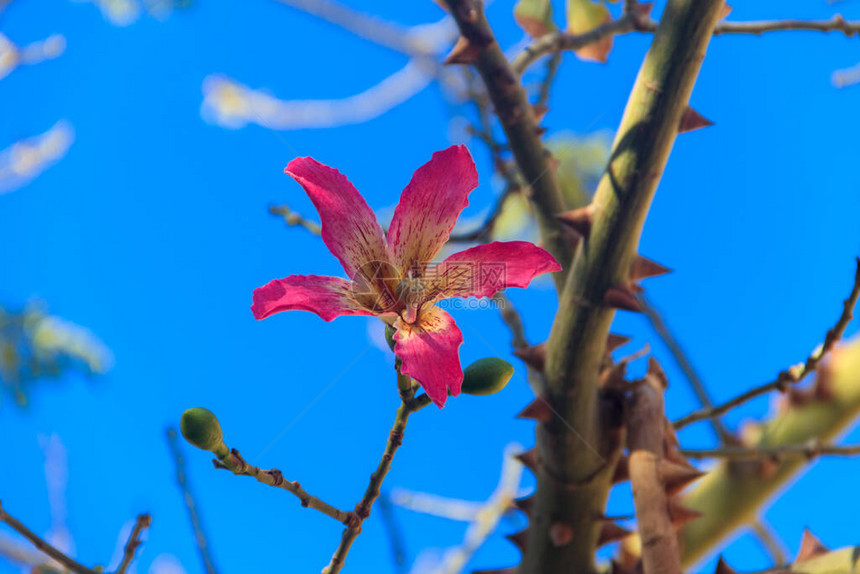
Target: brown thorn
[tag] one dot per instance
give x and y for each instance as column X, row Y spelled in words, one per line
column 810, row 547
column 656, row 371
column 693, row 120
column 724, row 568
column 622, row 470
column 539, row 111
column 681, row 515
column 524, row 504
column 611, row 532
column 676, row 477
column 643, row 268
column 534, row 357
column 580, row 219
column 614, row 341
column 464, row 52
column 622, row 297
column 529, row 459
column 538, row 410
column 519, row 539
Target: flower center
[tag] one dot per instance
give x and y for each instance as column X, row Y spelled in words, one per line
column 411, row 293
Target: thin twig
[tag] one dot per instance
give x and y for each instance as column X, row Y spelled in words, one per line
column 512, row 319
column 292, row 218
column 810, row 450
column 684, row 362
column 234, row 462
column 792, row 375
column 630, row 22
column 408, row 405
column 771, row 542
column 43, row 546
column 142, row 523
column 190, row 502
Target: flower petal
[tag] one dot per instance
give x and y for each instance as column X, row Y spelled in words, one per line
column 349, row 226
column 428, row 351
column 429, row 207
column 328, row 297
column 484, row 270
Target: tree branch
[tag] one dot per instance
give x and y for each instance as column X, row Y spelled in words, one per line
column 793, row 374
column 575, row 468
column 43, row 546
column 142, row 523
column 733, row 493
column 408, row 406
column 646, row 443
column 631, row 22
column 810, row 450
column 234, row 462
column 517, row 118
column 292, row 218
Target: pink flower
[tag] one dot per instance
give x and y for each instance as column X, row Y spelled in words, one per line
column 392, row 276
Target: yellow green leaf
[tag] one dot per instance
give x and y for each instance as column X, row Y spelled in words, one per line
column 534, row 16
column 584, row 16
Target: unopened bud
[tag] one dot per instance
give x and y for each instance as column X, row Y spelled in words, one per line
column 201, row 428
column 487, row 376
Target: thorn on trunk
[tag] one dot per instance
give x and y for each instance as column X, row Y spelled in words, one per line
column 723, row 568
column 676, row 477
column 643, row 268
column 681, row 515
column 464, row 52
column 519, row 539
column 529, row 459
column 693, row 120
column 534, row 357
column 810, row 547
column 539, row 111
column 614, row 341
column 611, row 532
column 580, row 219
column 622, row 297
column 525, row 504
column 539, row 410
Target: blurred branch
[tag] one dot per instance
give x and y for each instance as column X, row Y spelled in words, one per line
column 770, row 541
column 810, row 450
column 234, row 462
column 512, row 319
column 417, row 41
column 684, row 362
column 847, row 77
column 733, row 492
column 292, row 218
column 395, row 534
column 190, row 502
column 142, row 523
column 43, row 546
column 792, row 375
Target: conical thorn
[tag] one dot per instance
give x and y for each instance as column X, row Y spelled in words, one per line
column 539, row 410
column 724, row 568
column 676, row 477
column 643, row 268
column 693, row 120
column 519, row 539
column 611, row 532
column 681, row 515
column 622, row 297
column 464, row 52
column 810, row 547
column 614, row 341
column 529, row 459
column 539, row 111
column 580, row 219
column 534, row 356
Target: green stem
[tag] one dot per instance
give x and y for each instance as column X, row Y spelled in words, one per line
column 575, row 469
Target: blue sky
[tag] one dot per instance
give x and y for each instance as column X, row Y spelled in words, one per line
column 153, row 231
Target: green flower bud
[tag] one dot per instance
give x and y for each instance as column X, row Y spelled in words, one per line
column 389, row 336
column 487, row 376
column 201, row 428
